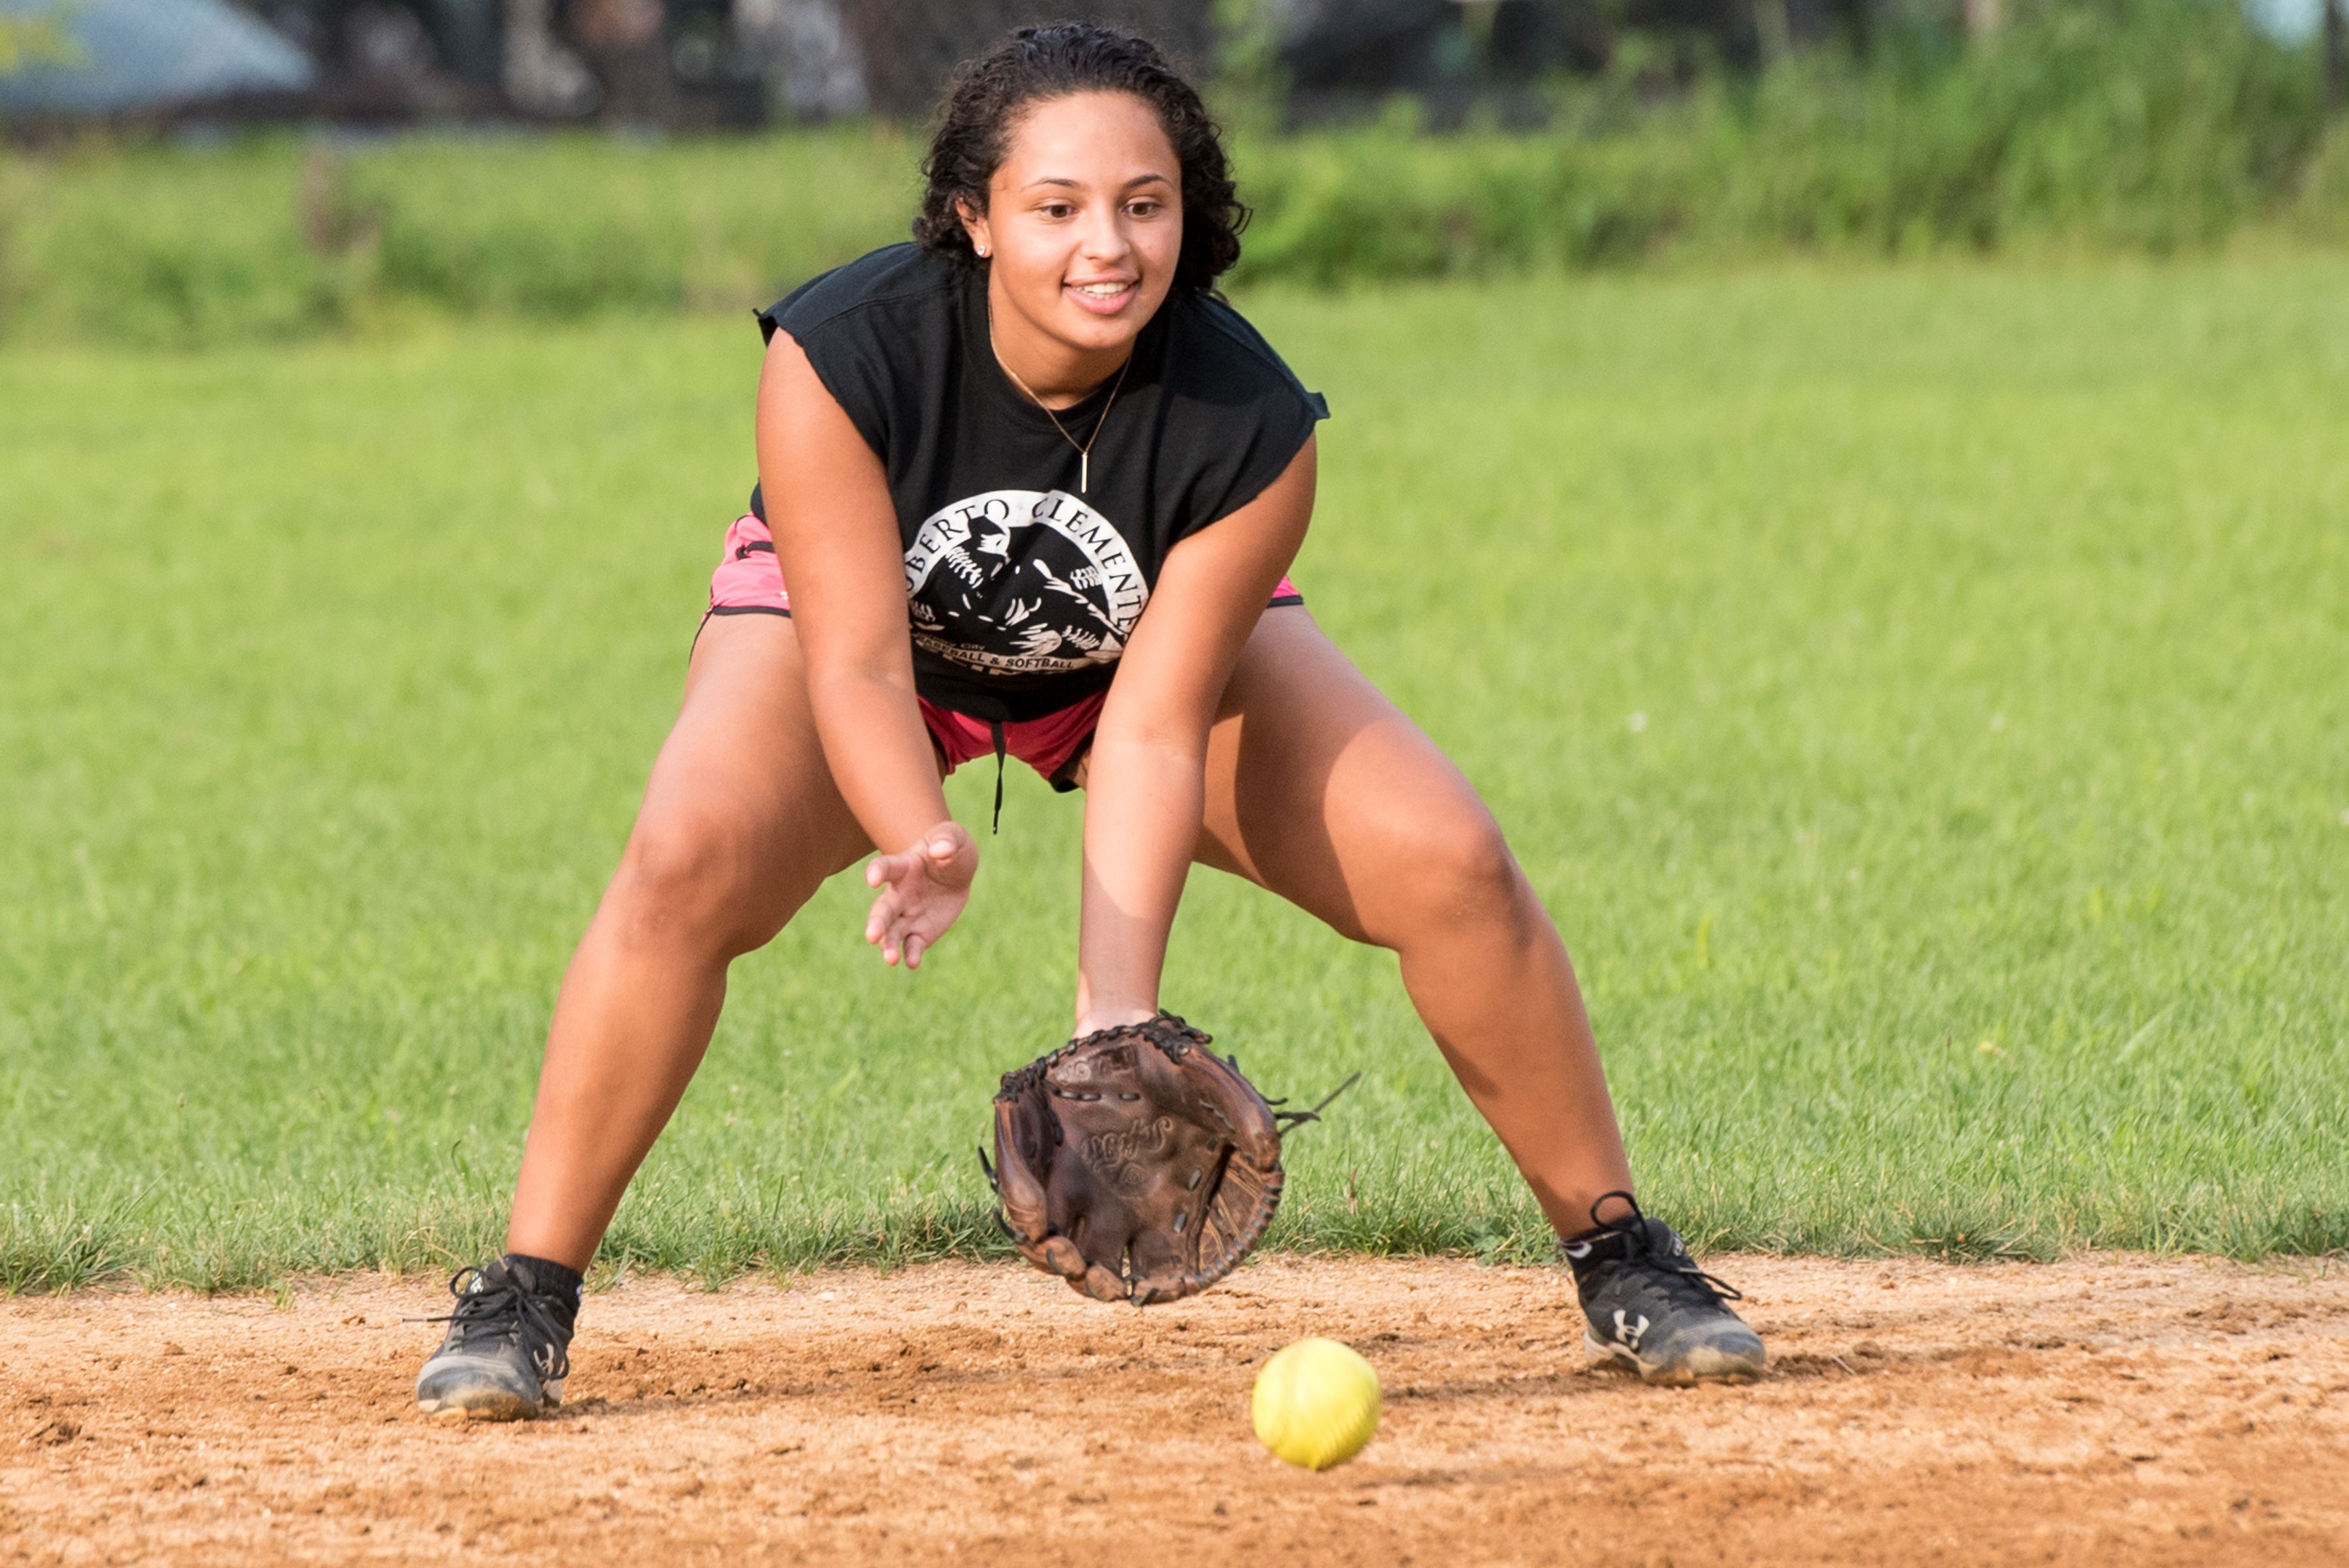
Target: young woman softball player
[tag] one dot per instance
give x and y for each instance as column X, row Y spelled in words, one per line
column 1029, row 484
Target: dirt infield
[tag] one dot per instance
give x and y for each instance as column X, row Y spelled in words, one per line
column 2103, row 1410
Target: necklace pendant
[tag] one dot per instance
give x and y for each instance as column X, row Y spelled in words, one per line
column 1085, row 472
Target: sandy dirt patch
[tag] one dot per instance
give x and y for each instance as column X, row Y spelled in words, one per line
column 2103, row 1410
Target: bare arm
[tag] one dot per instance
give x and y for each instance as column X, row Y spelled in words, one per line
column 1145, row 783
column 835, row 529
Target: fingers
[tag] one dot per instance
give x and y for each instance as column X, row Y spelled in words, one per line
column 952, row 855
column 881, row 920
column 887, row 924
column 921, row 891
column 897, row 929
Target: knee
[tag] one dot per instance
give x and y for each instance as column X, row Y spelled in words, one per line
column 1459, row 872
column 690, row 882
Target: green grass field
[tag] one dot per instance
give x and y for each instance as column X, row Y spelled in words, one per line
column 1922, row 696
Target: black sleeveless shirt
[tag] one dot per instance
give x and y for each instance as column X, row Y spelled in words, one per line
column 1022, row 588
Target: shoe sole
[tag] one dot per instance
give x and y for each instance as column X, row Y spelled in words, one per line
column 486, row 1401
column 1702, row 1364
column 504, row 1408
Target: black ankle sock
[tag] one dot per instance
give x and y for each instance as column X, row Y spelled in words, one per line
column 559, row 1284
column 1586, row 1250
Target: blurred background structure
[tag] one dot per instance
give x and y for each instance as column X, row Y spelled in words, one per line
column 698, row 64
column 112, row 57
column 201, row 170
column 669, row 64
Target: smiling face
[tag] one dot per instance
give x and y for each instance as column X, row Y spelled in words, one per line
column 1083, row 230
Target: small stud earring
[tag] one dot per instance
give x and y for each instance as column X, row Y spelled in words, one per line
column 982, row 252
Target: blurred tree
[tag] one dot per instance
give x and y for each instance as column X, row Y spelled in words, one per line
column 622, row 41
column 810, row 63
column 1248, row 49
column 1853, row 21
column 542, row 76
column 629, row 62
column 32, row 39
column 1729, row 29
column 402, row 59
column 909, row 45
column 2336, row 57
column 1338, row 58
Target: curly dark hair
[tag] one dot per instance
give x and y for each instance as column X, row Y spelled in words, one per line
column 984, row 102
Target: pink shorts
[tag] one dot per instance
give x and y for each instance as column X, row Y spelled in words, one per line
column 750, row 581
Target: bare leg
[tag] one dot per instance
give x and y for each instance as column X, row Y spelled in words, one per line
column 1320, row 790
column 739, row 824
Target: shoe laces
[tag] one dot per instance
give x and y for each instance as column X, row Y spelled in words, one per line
column 490, row 1308
column 1640, row 1249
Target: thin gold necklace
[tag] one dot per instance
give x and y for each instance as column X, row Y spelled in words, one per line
column 1084, row 452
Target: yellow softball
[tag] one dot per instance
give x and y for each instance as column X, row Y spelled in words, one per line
column 1316, row 1403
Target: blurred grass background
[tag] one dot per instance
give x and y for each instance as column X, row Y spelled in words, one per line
column 1917, row 692
column 2144, row 128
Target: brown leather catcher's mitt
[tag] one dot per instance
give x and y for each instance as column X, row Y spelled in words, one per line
column 1136, row 1145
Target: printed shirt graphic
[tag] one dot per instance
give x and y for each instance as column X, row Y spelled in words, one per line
column 1023, row 581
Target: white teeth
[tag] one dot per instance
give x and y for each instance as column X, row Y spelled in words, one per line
column 1101, row 290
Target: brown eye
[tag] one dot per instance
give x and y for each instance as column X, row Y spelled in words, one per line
column 1145, row 209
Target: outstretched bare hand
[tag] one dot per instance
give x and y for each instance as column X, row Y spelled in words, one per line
column 922, row 890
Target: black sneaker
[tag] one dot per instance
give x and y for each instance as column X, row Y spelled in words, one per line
column 508, row 1349
column 1651, row 1309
